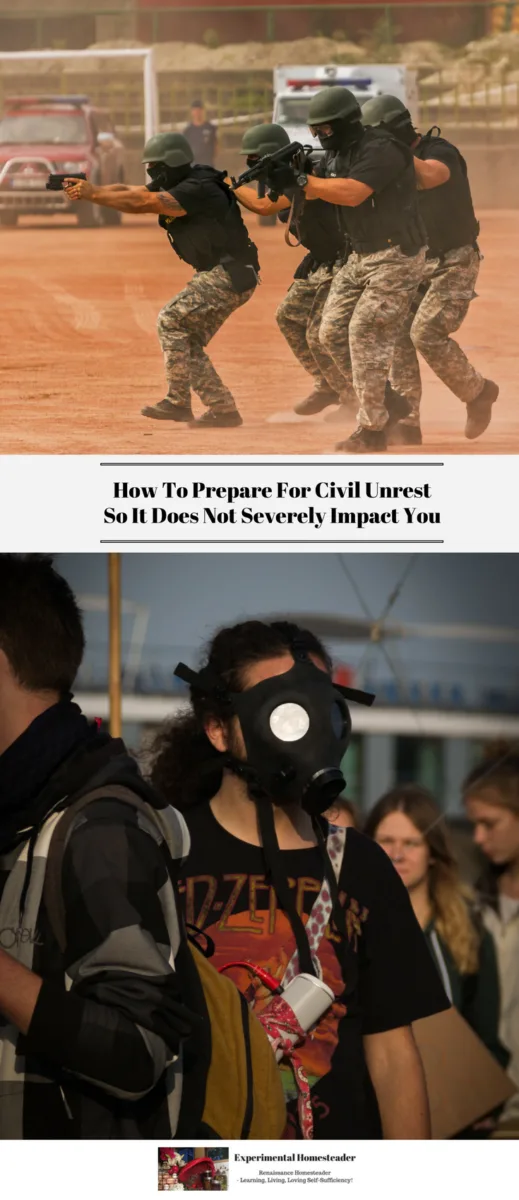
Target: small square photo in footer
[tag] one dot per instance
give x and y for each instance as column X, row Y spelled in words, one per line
column 193, row 1169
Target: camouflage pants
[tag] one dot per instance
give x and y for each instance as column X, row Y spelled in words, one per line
column 367, row 303
column 440, row 312
column 185, row 325
column 299, row 319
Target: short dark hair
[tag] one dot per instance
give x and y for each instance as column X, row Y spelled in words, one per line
column 41, row 630
column 197, row 104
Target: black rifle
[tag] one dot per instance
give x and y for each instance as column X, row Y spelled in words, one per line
column 55, row 182
column 293, row 155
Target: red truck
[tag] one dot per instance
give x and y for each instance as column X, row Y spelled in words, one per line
column 42, row 135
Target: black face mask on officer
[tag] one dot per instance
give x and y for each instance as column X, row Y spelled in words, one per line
column 296, row 728
column 164, row 177
column 344, row 132
column 402, row 128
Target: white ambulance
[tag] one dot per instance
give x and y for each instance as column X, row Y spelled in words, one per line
column 295, row 86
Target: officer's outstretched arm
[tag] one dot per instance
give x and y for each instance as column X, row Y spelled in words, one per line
column 124, row 198
column 430, row 173
column 260, row 205
column 347, row 192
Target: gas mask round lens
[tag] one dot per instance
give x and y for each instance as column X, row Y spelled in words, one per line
column 289, row 722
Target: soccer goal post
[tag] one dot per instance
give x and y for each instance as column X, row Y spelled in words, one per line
column 151, row 95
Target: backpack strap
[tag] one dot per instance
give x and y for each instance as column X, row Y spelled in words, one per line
column 52, row 890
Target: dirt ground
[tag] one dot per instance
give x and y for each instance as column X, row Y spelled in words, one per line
column 80, row 355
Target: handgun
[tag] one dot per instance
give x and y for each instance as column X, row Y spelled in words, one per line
column 55, row 182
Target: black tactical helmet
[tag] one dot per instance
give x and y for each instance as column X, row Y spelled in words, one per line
column 170, row 148
column 333, row 104
column 264, row 139
column 381, row 110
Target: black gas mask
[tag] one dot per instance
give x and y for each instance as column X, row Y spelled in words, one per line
column 344, row 133
column 296, row 728
column 164, row 177
column 251, row 160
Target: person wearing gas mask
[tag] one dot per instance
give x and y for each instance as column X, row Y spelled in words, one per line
column 370, row 177
column 316, row 227
column 205, row 228
column 452, row 267
column 311, row 922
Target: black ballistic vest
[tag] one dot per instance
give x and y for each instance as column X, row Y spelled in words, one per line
column 204, row 240
column 387, row 218
column 447, row 210
column 319, row 229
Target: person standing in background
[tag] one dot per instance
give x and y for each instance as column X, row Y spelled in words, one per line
column 491, row 797
column 201, row 135
column 409, row 826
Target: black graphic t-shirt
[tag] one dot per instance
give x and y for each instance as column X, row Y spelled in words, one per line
column 382, row 975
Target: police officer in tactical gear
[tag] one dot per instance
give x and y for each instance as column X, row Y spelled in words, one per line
column 318, row 228
column 370, row 177
column 205, row 228
column 452, row 267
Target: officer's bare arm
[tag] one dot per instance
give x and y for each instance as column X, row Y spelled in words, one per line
column 348, row 192
column 430, row 173
column 256, row 204
column 124, row 197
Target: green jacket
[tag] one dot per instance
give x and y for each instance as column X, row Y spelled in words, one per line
column 475, row 996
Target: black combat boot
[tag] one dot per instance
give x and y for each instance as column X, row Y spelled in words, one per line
column 479, row 411
column 404, row 435
column 166, row 411
column 317, row 400
column 364, row 441
column 397, row 406
column 217, row 418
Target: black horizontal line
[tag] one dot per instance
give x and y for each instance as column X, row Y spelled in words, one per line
column 270, row 541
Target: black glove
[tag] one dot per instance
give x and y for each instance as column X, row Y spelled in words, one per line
column 281, row 176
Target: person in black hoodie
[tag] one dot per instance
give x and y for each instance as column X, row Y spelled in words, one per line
column 90, row 1034
column 201, row 217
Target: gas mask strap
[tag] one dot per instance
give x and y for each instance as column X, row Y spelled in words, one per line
column 281, row 886
column 337, row 909
column 359, row 697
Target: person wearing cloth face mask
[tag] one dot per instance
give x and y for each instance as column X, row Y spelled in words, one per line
column 491, row 797
column 252, row 766
column 370, row 177
column 205, row 228
column 452, row 268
